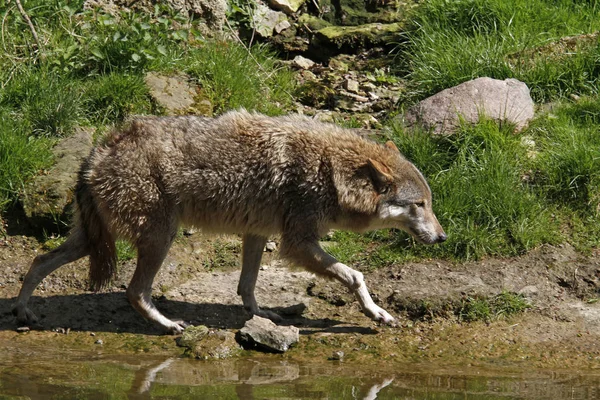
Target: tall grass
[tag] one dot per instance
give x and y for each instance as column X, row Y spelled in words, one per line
column 568, row 165
column 480, row 196
column 232, row 78
column 21, row 155
column 455, row 41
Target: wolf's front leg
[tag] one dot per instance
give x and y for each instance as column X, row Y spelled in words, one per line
column 253, row 246
column 313, row 257
column 151, row 253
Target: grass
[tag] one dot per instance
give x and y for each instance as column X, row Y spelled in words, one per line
column 455, row 41
column 504, row 304
column 90, row 71
column 467, row 308
column 21, row 156
column 495, row 194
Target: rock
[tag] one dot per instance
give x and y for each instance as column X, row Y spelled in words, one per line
column 271, row 246
column 294, row 310
column 353, row 12
column 312, row 23
column 529, row 291
column 351, row 85
column 262, row 333
column 287, row 6
column 339, row 39
column 213, row 12
column 46, row 199
column 504, row 101
column 302, row 62
column 209, row 345
column 265, row 21
column 174, row 93
column 192, row 335
column 282, row 26
column 337, row 356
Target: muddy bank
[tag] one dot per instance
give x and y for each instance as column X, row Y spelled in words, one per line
column 560, row 329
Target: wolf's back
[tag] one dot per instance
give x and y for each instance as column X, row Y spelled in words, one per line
column 100, row 241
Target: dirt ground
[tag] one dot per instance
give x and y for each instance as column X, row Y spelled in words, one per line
column 559, row 330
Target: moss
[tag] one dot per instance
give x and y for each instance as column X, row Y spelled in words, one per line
column 352, row 37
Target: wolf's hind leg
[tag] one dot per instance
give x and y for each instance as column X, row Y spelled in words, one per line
column 253, row 246
column 152, row 250
column 72, row 249
column 310, row 255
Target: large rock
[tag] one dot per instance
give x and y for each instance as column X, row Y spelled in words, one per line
column 504, row 101
column 46, row 198
column 262, row 333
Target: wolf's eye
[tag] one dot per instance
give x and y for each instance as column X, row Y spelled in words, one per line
column 420, row 204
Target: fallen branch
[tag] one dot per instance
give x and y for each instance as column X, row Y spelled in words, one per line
column 33, row 31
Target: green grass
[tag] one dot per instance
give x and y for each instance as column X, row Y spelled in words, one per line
column 232, row 79
column 21, row 156
column 504, row 304
column 455, row 41
column 497, row 195
column 90, row 71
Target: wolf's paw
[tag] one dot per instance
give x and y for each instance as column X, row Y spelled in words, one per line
column 25, row 317
column 378, row 314
column 177, row 327
column 268, row 314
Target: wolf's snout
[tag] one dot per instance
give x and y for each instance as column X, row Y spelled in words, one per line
column 441, row 238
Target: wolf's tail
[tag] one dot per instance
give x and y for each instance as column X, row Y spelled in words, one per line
column 100, row 241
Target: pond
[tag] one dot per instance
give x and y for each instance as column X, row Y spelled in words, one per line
column 54, row 375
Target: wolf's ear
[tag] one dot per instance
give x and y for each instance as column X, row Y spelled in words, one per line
column 380, row 174
column 390, row 145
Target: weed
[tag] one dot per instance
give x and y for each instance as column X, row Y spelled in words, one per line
column 50, row 105
column 112, row 97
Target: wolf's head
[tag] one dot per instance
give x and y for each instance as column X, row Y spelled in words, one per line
column 404, row 199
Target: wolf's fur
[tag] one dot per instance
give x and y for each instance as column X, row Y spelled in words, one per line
column 239, row 173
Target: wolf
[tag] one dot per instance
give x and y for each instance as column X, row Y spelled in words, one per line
column 241, row 172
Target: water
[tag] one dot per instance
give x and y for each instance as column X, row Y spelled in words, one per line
column 39, row 375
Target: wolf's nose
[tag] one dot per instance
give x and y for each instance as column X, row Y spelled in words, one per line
column 442, row 237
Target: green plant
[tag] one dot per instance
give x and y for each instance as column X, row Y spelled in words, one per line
column 125, row 251
column 225, row 254
column 50, row 105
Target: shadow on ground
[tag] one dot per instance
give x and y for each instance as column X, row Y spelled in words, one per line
column 111, row 312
